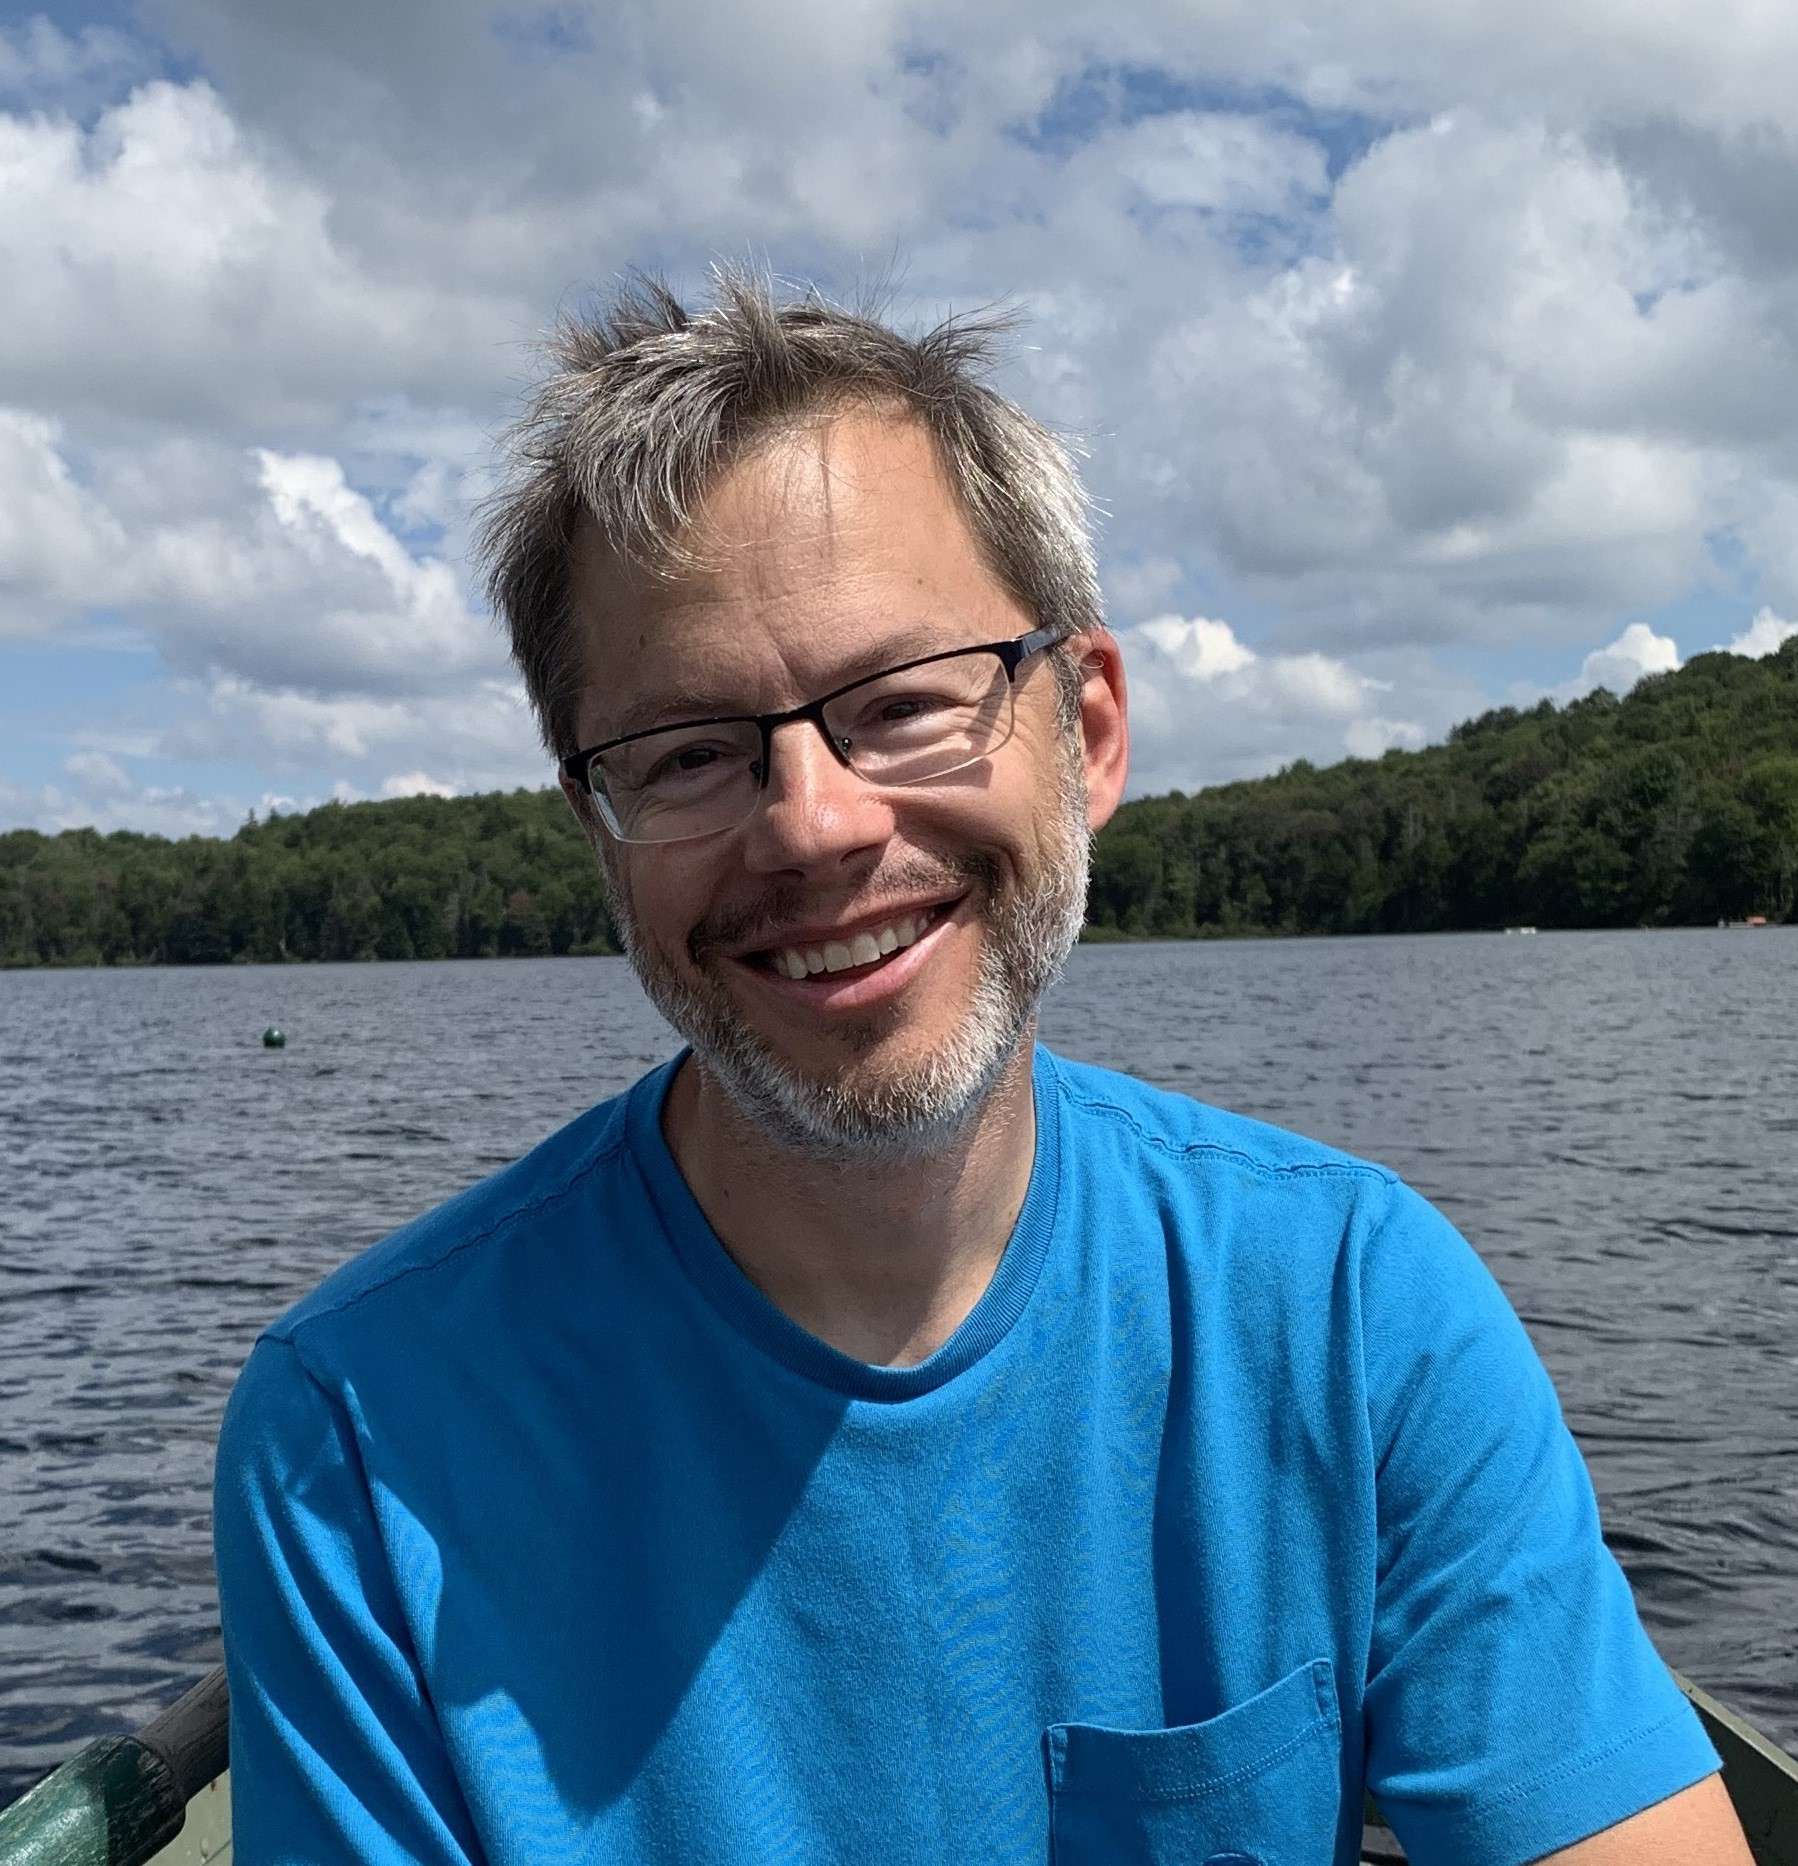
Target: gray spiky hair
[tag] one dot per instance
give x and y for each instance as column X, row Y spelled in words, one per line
column 646, row 402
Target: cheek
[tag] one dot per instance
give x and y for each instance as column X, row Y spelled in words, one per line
column 665, row 903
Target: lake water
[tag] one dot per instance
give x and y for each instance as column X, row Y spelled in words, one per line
column 1612, row 1119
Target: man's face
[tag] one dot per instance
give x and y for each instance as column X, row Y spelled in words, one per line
column 832, row 553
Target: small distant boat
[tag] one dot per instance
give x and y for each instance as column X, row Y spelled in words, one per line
column 163, row 1797
column 1520, row 929
column 1753, row 920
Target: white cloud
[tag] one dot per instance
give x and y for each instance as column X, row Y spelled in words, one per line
column 1404, row 430
column 291, row 726
column 1619, row 664
column 432, row 497
column 266, row 565
column 480, row 737
column 1580, row 59
column 415, row 784
column 1373, row 738
column 59, row 546
column 98, row 772
column 163, row 221
column 1206, row 708
column 408, row 616
column 1215, row 162
column 1200, row 648
column 152, row 810
column 1765, row 635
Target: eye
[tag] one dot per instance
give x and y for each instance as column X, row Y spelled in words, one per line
column 689, row 763
column 901, row 709
column 675, row 764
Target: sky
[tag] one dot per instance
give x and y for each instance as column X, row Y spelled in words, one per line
column 1421, row 359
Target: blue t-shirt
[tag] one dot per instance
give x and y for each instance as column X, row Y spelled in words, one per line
column 543, row 1536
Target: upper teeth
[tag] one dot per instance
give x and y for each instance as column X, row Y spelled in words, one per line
column 834, row 955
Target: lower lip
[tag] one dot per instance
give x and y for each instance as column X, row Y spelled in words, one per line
column 839, row 991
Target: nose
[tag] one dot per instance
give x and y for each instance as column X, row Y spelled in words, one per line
column 814, row 811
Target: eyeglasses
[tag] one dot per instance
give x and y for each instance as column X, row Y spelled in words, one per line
column 908, row 725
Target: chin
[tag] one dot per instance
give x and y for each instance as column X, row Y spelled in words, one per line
column 879, row 1107
column 876, row 1089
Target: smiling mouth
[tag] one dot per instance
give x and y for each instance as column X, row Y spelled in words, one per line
column 866, row 952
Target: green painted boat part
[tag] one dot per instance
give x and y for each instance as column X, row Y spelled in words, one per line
column 123, row 1799
column 115, row 1802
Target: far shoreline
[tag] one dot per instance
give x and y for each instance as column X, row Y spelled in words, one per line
column 1090, row 936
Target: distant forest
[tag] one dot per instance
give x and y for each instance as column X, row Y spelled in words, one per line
column 1675, row 805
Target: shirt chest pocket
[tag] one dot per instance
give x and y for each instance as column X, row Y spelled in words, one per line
column 1259, row 1785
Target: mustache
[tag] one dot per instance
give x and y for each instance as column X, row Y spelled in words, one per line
column 755, row 923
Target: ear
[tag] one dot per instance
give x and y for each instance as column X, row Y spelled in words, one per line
column 1104, row 724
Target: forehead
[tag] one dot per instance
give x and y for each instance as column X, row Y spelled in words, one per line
column 836, row 549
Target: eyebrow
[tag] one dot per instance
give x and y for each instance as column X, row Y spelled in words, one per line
column 694, row 702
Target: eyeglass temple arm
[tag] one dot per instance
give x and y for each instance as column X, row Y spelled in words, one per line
column 1013, row 653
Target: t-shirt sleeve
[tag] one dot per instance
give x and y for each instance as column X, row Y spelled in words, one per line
column 335, row 1750
column 1513, row 1701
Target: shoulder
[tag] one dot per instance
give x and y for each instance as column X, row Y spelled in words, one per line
column 1159, row 1123
column 1244, row 1193
column 441, row 1264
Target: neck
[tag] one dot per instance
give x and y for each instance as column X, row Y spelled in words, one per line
column 882, row 1261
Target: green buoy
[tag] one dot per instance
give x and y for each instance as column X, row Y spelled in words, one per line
column 274, row 1038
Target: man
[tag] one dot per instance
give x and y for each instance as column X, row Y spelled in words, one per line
column 871, row 1438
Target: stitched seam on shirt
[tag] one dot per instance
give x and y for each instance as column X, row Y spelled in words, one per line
column 1214, row 1785
column 1326, row 1169
column 456, row 1250
column 402, row 1635
column 1565, row 1771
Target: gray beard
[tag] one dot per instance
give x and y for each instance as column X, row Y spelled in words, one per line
column 857, row 1118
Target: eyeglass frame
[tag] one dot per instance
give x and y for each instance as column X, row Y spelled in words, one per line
column 1012, row 654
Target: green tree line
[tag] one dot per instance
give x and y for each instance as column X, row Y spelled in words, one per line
column 1675, row 805
column 483, row 877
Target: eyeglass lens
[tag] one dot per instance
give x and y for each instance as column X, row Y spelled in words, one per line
column 904, row 727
